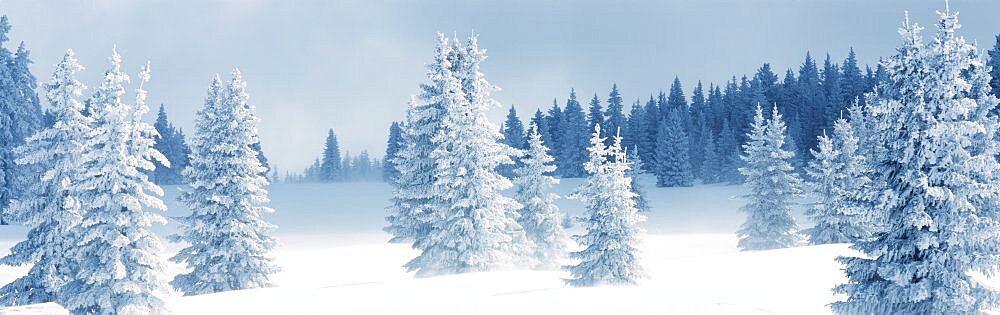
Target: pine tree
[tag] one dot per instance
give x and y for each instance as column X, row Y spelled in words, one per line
column 711, row 166
column 634, row 126
column 674, row 167
column 169, row 141
column 474, row 226
column 852, row 80
column 554, row 132
column 697, row 114
column 837, row 178
column 595, row 114
column 610, row 254
column 116, row 258
column 647, row 143
column 21, row 117
column 574, row 140
column 539, row 215
column 833, row 92
column 513, row 136
column 225, row 167
column 330, row 170
column 53, row 207
column 773, row 186
column 939, row 200
column 614, row 116
column 395, row 143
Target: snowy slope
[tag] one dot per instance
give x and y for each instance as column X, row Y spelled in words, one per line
column 336, row 261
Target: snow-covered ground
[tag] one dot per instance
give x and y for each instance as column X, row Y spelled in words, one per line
column 336, row 261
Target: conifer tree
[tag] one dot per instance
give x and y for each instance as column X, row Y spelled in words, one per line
column 711, row 166
column 614, row 116
column 513, row 136
column 330, row 168
column 475, row 226
column 994, row 63
column 595, row 114
column 116, row 260
column 170, row 141
column 672, row 146
column 838, row 177
column 773, row 186
column 574, row 139
column 225, row 167
column 939, row 168
column 20, row 117
column 539, row 215
column 729, row 155
column 389, row 170
column 647, row 143
column 634, row 128
column 610, row 254
column 53, row 208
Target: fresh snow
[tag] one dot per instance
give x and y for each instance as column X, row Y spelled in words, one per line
column 336, row 260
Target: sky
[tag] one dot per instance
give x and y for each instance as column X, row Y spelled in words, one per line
column 352, row 65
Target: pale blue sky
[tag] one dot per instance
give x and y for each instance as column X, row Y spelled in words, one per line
column 352, row 65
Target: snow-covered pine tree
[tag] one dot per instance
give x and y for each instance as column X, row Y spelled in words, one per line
column 610, row 244
column 395, row 143
column 773, row 186
column 634, row 128
column 633, row 172
column 838, row 179
column 475, row 226
column 116, row 257
column 651, row 120
column 674, row 163
column 994, row 63
column 574, row 139
column 331, row 170
column 410, row 215
column 940, row 198
column 229, row 240
column 539, row 216
column 52, row 208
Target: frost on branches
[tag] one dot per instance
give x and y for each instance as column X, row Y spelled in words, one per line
column 539, row 215
column 52, row 208
column 773, row 186
column 116, row 256
column 610, row 244
column 474, row 226
column 229, row 240
column 938, row 160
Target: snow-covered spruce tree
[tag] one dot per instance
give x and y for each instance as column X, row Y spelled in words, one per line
column 941, row 199
column 539, row 216
column 674, row 163
column 52, row 208
column 228, row 239
column 773, row 186
column 729, row 154
column 389, row 170
column 116, row 257
column 610, row 244
column 838, row 178
column 633, row 172
column 410, row 214
column 475, row 226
